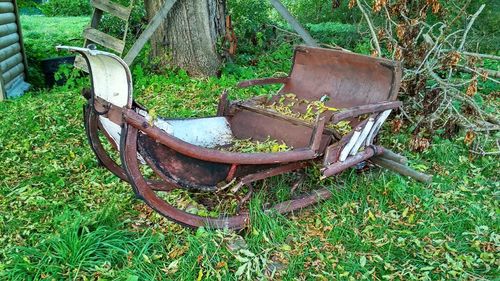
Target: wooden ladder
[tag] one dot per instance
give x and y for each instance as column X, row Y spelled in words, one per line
column 93, row 35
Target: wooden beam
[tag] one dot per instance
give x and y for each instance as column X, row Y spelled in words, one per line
column 294, row 23
column 115, row 9
column 7, row 18
column 9, row 40
column 14, row 80
column 393, row 156
column 21, row 39
column 7, row 29
column 149, row 31
column 104, row 39
column 11, row 61
column 2, row 89
column 9, row 51
column 6, row 7
column 12, row 73
column 402, row 169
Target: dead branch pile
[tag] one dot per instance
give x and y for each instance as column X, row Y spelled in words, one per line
column 441, row 78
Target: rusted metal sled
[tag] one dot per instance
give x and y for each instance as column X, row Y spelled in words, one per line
column 184, row 154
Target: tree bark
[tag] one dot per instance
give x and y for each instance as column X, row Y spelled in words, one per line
column 188, row 36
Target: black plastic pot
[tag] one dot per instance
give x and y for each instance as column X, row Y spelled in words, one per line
column 51, row 66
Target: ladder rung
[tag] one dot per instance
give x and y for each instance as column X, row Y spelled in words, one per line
column 113, row 8
column 104, row 39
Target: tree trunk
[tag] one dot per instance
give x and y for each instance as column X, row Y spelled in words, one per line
column 188, row 36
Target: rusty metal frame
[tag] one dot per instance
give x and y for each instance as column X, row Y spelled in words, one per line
column 143, row 141
column 92, row 128
column 145, row 191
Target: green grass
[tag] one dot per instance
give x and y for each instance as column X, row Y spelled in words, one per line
column 63, row 217
column 41, row 36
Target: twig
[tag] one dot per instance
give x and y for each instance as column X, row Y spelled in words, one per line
column 486, row 56
column 336, row 47
column 285, row 31
column 481, row 71
column 471, row 22
column 483, row 153
column 372, row 30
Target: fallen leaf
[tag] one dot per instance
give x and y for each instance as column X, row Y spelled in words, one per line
column 362, row 261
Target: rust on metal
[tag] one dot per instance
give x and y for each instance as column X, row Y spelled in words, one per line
column 362, row 90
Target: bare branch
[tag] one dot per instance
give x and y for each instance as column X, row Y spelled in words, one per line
column 370, row 26
column 481, row 72
column 479, row 55
column 471, row 22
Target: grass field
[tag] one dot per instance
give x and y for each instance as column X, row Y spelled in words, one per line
column 63, row 217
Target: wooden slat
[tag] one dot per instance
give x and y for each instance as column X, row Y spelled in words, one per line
column 2, row 92
column 7, row 18
column 149, row 31
column 11, row 61
column 9, row 51
column 9, row 40
column 115, row 9
column 104, row 39
column 12, row 73
column 6, row 7
column 13, row 81
column 7, row 29
column 21, row 40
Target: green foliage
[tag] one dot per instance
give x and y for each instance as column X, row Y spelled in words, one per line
column 335, row 33
column 250, row 20
column 29, row 7
column 318, row 11
column 40, row 43
column 486, row 33
column 27, row 3
column 66, row 8
column 248, row 16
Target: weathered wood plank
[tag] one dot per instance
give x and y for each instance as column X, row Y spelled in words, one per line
column 149, row 31
column 11, row 61
column 7, row 29
column 2, row 92
column 402, row 169
column 10, row 74
column 6, row 7
column 104, row 39
column 21, row 40
column 7, row 18
column 9, row 40
column 9, row 51
column 13, row 81
column 115, row 9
